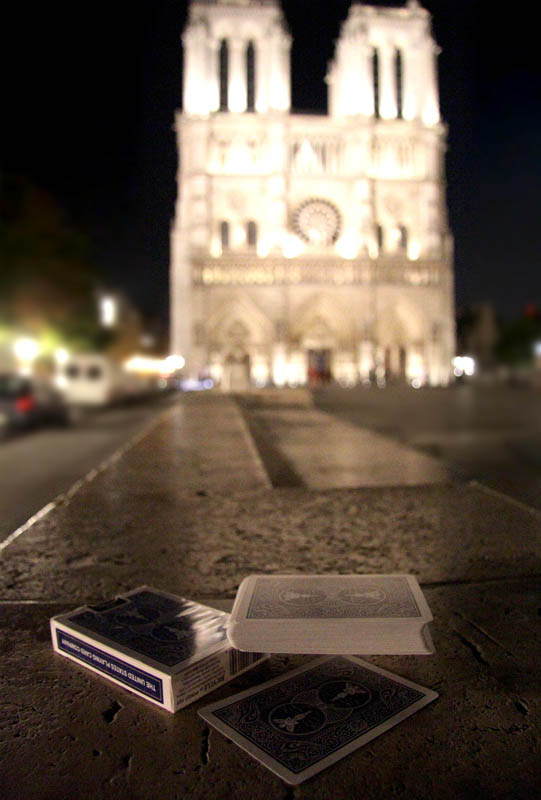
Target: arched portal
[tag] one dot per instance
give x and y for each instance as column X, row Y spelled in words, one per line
column 399, row 337
column 237, row 341
column 240, row 338
column 325, row 335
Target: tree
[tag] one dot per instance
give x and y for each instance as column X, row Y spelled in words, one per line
column 47, row 285
column 516, row 344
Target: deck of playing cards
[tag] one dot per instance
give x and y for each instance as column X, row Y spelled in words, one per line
column 301, row 723
column 331, row 614
column 162, row 647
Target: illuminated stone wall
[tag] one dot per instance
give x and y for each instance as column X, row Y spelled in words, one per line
column 308, row 247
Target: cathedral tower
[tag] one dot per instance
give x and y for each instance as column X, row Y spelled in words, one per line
column 236, row 58
column 390, row 56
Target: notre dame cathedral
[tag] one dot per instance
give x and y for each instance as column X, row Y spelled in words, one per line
column 311, row 247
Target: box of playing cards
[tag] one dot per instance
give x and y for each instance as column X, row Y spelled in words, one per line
column 331, row 614
column 164, row 648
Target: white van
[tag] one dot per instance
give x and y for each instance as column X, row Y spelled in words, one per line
column 92, row 379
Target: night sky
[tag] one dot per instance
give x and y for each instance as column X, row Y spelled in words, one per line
column 89, row 98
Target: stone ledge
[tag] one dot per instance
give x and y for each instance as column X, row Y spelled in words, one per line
column 69, row 733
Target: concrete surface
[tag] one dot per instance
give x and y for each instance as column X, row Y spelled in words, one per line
column 190, row 509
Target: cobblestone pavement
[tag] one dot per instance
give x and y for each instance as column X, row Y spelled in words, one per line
column 190, row 509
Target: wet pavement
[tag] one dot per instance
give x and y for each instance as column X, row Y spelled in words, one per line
column 190, row 509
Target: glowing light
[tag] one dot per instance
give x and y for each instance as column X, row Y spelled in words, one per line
column 414, row 250
column 316, row 236
column 373, row 249
column 292, row 246
column 108, row 311
column 154, row 366
column 216, row 371
column 387, row 102
column 537, row 349
column 279, row 367
column 296, row 369
column 464, row 365
column 263, row 248
column 61, row 356
column 26, row 349
column 408, row 110
column 237, row 95
column 173, row 363
column 415, row 369
column 215, row 248
column 431, row 114
column 144, row 365
column 239, row 236
column 259, row 371
column 194, row 385
column 348, row 246
column 278, row 92
column 365, row 361
column 61, row 382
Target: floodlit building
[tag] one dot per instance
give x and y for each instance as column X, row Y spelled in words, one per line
column 309, row 246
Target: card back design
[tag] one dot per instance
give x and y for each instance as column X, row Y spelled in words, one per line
column 335, row 598
column 299, row 724
column 165, row 629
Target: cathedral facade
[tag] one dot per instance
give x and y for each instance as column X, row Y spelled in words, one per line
column 311, row 247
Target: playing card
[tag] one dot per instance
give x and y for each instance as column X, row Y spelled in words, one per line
column 332, row 596
column 333, row 614
column 301, row 723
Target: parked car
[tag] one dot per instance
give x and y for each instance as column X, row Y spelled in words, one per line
column 25, row 402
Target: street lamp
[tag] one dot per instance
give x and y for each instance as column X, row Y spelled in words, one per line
column 173, row 364
column 26, row 349
column 108, row 311
column 61, row 356
column 464, row 365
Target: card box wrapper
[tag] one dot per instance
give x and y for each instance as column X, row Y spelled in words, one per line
column 331, row 614
column 164, row 648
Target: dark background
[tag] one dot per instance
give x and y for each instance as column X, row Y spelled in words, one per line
column 90, row 93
